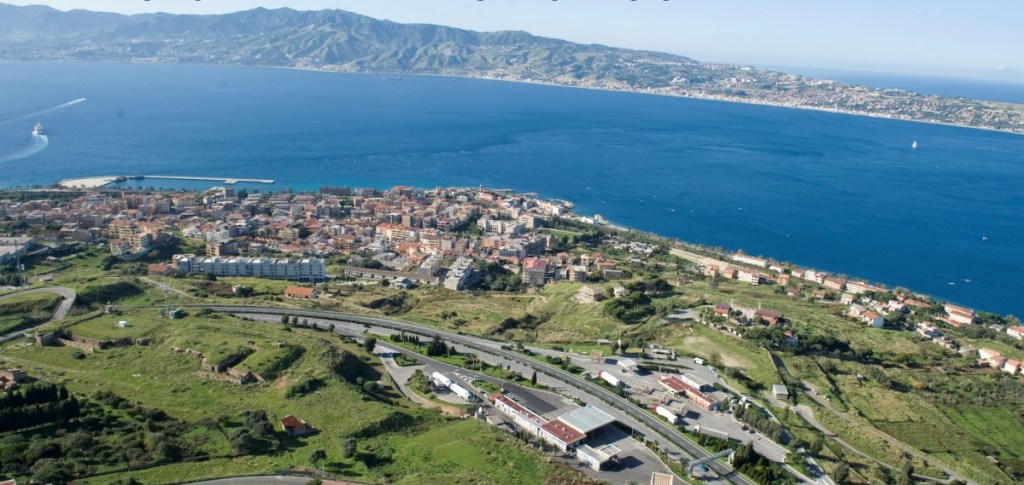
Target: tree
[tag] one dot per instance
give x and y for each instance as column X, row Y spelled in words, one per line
column 51, row 470
column 348, row 448
column 284, row 319
column 369, row 343
column 436, row 347
column 906, row 474
column 316, row 457
column 533, row 378
column 816, row 446
column 242, row 441
column 841, row 472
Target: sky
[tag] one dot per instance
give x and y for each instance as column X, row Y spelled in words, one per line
column 952, row 38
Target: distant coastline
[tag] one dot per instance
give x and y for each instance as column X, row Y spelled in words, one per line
column 269, row 40
column 721, row 99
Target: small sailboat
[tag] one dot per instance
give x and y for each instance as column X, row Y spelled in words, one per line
column 914, row 145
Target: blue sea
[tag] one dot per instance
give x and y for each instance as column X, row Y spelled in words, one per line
column 840, row 193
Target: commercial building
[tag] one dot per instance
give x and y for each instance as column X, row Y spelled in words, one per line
column 675, row 385
column 567, row 432
column 560, row 434
column 587, row 419
column 595, row 458
column 523, row 418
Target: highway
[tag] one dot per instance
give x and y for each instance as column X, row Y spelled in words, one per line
column 662, row 430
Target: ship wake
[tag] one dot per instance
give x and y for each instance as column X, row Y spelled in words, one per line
column 39, row 143
column 42, row 112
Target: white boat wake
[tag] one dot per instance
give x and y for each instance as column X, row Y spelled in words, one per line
column 39, row 143
column 47, row 110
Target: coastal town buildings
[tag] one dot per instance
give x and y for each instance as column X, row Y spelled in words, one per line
column 958, row 315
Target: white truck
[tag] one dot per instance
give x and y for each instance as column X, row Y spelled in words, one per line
column 609, row 378
column 462, row 392
column 666, row 413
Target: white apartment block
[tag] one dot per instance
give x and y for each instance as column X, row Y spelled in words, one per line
column 307, row 269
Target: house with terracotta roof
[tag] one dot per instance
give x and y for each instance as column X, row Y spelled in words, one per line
column 991, row 357
column 294, row 426
column 834, row 283
column 873, row 319
column 1012, row 366
column 769, row 317
column 159, row 269
column 300, row 292
column 958, row 314
column 1016, row 332
column 750, row 276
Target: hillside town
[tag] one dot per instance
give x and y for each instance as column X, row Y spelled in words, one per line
column 408, row 236
column 405, row 235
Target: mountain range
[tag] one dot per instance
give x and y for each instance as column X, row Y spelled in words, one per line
column 336, row 40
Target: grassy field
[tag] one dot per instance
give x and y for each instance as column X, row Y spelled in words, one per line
column 21, row 310
column 559, row 318
column 158, row 378
column 105, row 327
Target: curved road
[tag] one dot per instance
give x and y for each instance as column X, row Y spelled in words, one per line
column 659, row 426
column 68, row 299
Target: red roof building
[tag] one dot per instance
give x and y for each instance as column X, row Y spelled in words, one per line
column 300, row 292
column 295, row 426
column 560, row 434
